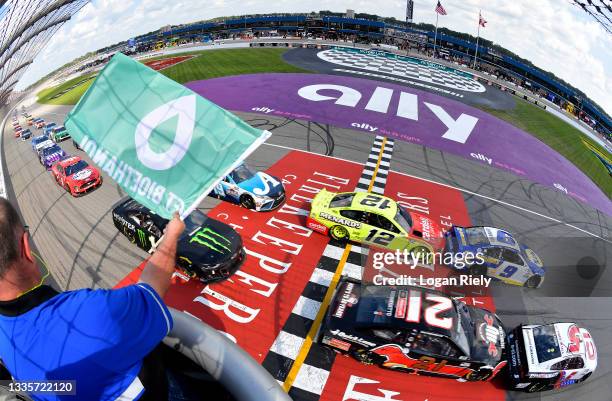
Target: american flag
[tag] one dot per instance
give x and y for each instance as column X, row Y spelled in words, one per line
column 439, row 9
column 481, row 20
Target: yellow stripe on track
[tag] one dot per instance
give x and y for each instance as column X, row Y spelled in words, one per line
column 299, row 360
column 382, row 148
column 305, row 349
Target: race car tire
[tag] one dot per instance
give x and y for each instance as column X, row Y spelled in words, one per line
column 479, row 375
column 478, row 270
column 533, row 281
column 339, row 233
column 247, row 202
column 420, row 250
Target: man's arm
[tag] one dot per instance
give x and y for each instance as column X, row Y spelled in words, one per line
column 160, row 267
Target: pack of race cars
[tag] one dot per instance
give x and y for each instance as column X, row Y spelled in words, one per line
column 404, row 328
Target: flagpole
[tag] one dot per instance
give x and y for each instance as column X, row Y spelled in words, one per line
column 436, row 35
column 477, row 38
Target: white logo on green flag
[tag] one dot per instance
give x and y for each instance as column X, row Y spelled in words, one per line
column 184, row 109
column 166, row 146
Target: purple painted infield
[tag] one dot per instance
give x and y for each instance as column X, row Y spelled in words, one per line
column 414, row 116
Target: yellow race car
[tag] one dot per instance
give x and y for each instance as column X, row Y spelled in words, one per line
column 373, row 219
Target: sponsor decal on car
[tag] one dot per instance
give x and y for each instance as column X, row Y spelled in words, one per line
column 489, row 334
column 353, row 338
column 312, row 224
column 339, row 220
column 82, row 175
column 336, row 343
column 347, row 299
column 211, row 239
column 142, row 237
column 123, row 221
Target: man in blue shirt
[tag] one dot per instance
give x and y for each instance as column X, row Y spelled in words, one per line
column 98, row 338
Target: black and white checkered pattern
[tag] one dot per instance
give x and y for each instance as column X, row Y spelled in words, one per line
column 378, row 187
column 311, row 378
column 402, row 68
column 314, row 372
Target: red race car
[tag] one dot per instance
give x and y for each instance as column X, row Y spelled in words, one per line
column 76, row 176
column 18, row 130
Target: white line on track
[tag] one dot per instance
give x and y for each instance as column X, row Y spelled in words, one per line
column 462, row 190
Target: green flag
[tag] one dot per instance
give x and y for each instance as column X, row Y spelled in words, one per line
column 166, row 146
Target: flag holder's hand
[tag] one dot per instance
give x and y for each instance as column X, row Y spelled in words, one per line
column 172, row 231
column 174, row 228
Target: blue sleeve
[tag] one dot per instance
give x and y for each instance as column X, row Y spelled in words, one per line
column 129, row 323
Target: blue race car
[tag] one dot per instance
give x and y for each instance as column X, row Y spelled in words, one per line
column 26, row 134
column 249, row 189
column 504, row 258
column 50, row 155
column 48, row 128
column 38, row 139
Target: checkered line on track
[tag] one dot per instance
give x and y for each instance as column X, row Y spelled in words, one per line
column 401, row 68
column 314, row 372
column 283, row 352
column 369, row 169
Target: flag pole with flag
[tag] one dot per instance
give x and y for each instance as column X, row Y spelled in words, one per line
column 164, row 145
column 439, row 11
column 481, row 23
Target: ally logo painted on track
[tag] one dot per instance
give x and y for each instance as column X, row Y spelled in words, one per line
column 166, row 146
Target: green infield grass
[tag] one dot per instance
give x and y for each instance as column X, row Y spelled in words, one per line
column 71, row 95
column 206, row 64
column 560, row 136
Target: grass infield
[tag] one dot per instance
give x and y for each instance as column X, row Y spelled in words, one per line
column 556, row 133
column 560, row 136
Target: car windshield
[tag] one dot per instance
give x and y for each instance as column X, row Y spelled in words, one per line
column 476, row 236
column 76, row 167
column 546, row 343
column 342, row 200
column 59, row 129
column 51, row 149
column 403, row 218
column 195, row 220
column 242, row 173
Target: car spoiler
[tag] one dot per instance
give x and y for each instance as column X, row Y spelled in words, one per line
column 225, row 361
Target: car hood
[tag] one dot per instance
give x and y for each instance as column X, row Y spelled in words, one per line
column 257, row 185
column 54, row 156
column 489, row 338
column 211, row 243
column 85, row 175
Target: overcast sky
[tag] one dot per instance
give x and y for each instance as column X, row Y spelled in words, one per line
column 554, row 34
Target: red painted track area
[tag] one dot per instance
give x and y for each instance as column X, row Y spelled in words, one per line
column 254, row 304
column 158, row 65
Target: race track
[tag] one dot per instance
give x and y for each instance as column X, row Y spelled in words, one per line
column 77, row 240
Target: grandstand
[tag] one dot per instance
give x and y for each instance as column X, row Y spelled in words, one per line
column 374, row 29
column 25, row 28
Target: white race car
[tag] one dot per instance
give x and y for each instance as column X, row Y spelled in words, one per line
column 550, row 356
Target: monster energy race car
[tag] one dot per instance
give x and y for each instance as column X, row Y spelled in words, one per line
column 208, row 249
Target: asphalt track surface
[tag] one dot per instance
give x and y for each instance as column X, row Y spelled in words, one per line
column 79, row 243
column 77, row 239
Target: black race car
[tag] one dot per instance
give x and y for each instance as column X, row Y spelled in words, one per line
column 414, row 330
column 208, row 249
